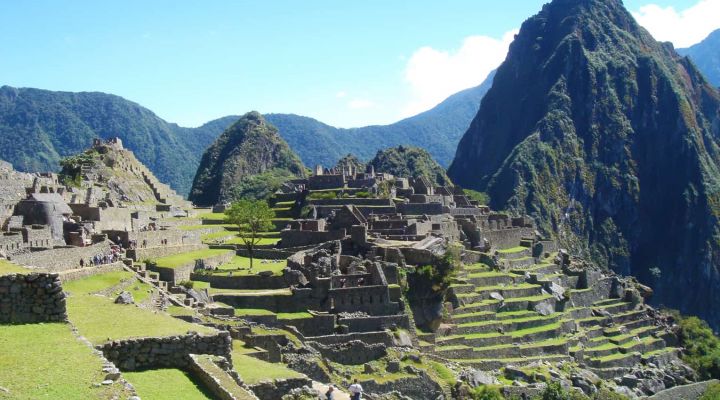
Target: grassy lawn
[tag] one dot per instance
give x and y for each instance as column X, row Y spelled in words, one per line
column 166, row 384
column 181, row 259
column 252, row 370
column 7, row 268
column 239, row 266
column 515, row 249
column 263, row 241
column 212, row 216
column 99, row 319
column 46, row 361
column 253, row 292
column 215, row 236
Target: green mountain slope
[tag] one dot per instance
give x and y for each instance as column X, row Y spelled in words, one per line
column 610, row 140
column 248, row 148
column 706, row 55
column 410, row 162
column 39, row 127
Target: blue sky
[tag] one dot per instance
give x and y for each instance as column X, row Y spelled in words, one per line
column 348, row 63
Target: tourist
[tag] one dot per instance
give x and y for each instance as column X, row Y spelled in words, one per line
column 82, row 263
column 355, row 390
column 330, row 395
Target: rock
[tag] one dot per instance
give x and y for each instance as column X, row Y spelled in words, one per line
column 477, row 378
column 497, row 296
column 265, row 274
column 402, row 339
column 125, row 298
column 369, row 369
column 107, row 382
column 557, row 291
column 544, row 308
column 393, row 366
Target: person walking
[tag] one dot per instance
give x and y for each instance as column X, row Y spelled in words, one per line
column 355, row 390
column 330, row 394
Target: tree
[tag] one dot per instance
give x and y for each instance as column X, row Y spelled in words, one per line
column 251, row 217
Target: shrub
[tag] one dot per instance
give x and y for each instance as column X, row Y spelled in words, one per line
column 481, row 197
column 702, row 347
column 187, row 284
column 607, row 394
column 712, row 392
column 554, row 391
column 486, row 392
column 322, row 196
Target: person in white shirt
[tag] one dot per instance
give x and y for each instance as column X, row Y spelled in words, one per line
column 355, row 390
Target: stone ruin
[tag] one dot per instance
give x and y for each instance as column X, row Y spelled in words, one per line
column 518, row 308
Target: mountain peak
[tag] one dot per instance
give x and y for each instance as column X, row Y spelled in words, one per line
column 600, row 133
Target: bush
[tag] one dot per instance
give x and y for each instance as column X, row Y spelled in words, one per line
column 187, row 284
column 607, row 394
column 712, row 392
column 554, row 391
column 481, row 197
column 486, row 393
column 322, row 196
column 702, row 347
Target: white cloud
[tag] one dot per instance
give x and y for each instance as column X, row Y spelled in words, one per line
column 683, row 28
column 340, row 94
column 433, row 74
column 360, row 104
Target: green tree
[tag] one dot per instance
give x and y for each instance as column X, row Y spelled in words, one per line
column 702, row 347
column 712, row 392
column 251, row 217
column 487, row 393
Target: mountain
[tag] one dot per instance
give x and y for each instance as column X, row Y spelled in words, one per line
column 248, row 148
column 706, row 55
column 438, row 130
column 410, row 162
column 610, row 140
column 40, row 127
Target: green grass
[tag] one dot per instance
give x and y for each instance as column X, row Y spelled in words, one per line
column 294, row 315
column 181, row 259
column 212, row 216
column 515, row 249
column 252, row 312
column 252, row 370
column 166, row 384
column 253, row 292
column 6, row 268
column 215, row 236
column 46, row 361
column 99, row 319
column 240, row 265
column 262, row 241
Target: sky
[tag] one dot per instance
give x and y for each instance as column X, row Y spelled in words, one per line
column 346, row 63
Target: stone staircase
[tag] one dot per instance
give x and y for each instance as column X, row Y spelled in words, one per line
column 512, row 316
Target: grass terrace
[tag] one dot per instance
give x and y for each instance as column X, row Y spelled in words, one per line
column 511, row 250
column 211, row 216
column 167, row 384
column 99, row 319
column 240, row 265
column 181, row 259
column 253, row 370
column 7, row 268
column 47, row 361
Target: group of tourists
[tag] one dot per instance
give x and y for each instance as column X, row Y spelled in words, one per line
column 101, row 259
column 356, row 391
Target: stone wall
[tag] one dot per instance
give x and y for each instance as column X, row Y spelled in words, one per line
column 687, row 392
column 165, row 352
column 79, row 273
column 61, row 258
column 211, row 375
column 420, row 208
column 419, row 387
column 506, row 238
column 183, row 272
column 148, row 239
column 374, row 324
column 157, row 252
column 250, row 281
column 274, row 390
column 354, row 352
column 293, row 238
column 31, row 298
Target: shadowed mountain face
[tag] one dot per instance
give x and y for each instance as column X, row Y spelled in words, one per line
column 609, row 140
column 706, row 55
column 248, row 148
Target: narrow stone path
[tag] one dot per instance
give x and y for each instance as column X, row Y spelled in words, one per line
column 322, row 388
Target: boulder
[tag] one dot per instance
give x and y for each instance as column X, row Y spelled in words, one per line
column 125, row 298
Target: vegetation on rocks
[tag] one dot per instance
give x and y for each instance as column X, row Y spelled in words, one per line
column 702, row 347
column 229, row 168
column 410, row 162
column 606, row 136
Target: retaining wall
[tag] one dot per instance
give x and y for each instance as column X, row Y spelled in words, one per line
column 31, row 298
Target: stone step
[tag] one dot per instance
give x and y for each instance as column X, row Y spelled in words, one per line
column 485, row 305
column 517, row 263
column 495, row 364
column 514, row 253
column 629, row 316
column 462, row 288
column 473, row 317
column 510, row 292
column 492, row 278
